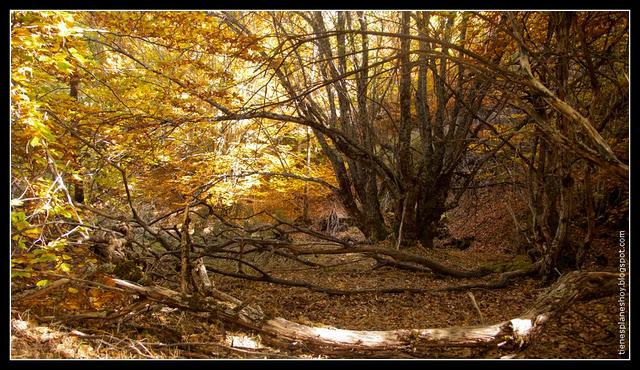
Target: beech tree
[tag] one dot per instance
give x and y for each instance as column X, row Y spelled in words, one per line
column 393, row 107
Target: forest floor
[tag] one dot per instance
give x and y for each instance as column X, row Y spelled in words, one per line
column 587, row 330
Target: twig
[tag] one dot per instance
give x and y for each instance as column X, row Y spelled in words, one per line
column 81, row 316
column 145, row 348
column 475, row 304
column 404, row 208
column 64, row 188
column 135, row 348
column 89, row 282
column 37, row 293
column 502, row 280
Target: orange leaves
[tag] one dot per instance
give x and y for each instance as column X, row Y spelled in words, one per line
column 100, row 298
column 141, row 89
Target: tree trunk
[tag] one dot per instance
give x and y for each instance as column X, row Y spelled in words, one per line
column 559, row 191
column 424, row 210
column 514, row 333
column 372, row 223
column 584, row 247
column 185, row 249
column 550, row 259
column 78, row 186
column 305, row 207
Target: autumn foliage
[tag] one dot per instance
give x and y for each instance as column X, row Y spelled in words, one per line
column 200, row 128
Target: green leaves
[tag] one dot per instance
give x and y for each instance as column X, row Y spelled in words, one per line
column 48, row 258
column 43, row 257
column 18, row 220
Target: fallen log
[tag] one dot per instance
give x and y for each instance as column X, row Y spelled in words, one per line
column 514, row 333
column 502, row 281
column 510, row 334
column 400, row 258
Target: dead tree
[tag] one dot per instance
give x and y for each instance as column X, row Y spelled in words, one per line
column 512, row 334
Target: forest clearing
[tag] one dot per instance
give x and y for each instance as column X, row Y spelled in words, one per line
column 319, row 184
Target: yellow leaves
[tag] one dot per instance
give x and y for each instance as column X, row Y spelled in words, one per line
column 32, row 233
column 19, row 242
column 72, row 304
column 77, row 56
column 43, row 130
column 34, row 142
column 65, row 267
column 16, row 261
column 164, row 133
column 20, row 274
column 42, row 283
column 42, row 257
column 18, row 220
column 65, row 66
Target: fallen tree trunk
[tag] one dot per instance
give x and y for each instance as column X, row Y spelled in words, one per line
column 400, row 258
column 513, row 333
column 502, row 281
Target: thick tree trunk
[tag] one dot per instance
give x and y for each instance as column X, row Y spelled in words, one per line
column 423, row 212
column 405, row 161
column 372, row 224
column 559, row 190
column 514, row 333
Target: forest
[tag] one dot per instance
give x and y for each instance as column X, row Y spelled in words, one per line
column 319, row 184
